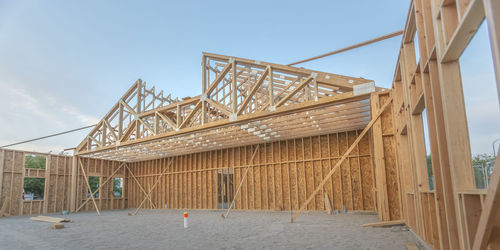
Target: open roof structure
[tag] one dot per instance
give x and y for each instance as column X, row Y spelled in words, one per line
column 242, row 102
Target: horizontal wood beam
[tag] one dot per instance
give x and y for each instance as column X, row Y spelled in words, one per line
column 467, row 28
column 355, row 46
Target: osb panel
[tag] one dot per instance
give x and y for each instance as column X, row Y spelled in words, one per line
column 281, row 177
column 367, row 183
column 392, row 178
column 386, row 117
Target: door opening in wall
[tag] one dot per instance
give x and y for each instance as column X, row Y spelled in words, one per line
column 225, row 187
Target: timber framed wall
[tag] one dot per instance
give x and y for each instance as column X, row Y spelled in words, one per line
column 282, row 175
column 58, row 175
column 103, row 169
column 454, row 215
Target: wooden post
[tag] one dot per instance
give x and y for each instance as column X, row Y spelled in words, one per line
column 74, row 179
column 271, row 87
column 47, row 183
column 234, row 89
column 204, row 74
column 378, row 154
column 2, row 160
column 492, row 9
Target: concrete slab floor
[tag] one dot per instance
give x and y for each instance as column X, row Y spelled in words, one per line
column 163, row 229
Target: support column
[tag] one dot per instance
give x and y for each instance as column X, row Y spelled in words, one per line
column 74, row 179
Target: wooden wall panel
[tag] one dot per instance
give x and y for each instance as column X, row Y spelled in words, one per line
column 281, row 177
column 102, row 169
column 386, row 162
column 57, row 174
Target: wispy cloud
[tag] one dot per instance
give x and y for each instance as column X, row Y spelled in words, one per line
column 32, row 113
column 84, row 118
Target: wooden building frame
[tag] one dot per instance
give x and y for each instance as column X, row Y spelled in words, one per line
column 265, row 136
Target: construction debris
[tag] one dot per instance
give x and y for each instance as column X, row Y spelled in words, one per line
column 57, row 226
column 385, row 223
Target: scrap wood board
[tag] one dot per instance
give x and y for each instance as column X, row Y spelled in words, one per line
column 50, row 219
column 385, row 223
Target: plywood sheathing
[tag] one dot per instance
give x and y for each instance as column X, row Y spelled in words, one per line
column 191, row 181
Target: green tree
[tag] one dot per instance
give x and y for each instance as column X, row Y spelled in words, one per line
column 94, row 185
column 483, row 168
column 35, row 161
column 117, row 187
column 35, row 186
column 430, row 173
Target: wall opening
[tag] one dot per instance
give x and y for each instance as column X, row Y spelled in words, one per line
column 33, row 188
column 118, row 187
column 94, row 183
column 481, row 104
column 428, row 156
column 225, row 187
column 32, row 161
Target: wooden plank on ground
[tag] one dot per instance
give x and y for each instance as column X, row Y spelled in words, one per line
column 49, row 219
column 57, row 226
column 385, row 223
column 412, row 246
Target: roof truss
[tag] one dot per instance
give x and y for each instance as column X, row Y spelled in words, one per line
column 236, row 92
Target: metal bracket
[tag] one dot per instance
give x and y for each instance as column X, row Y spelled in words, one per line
column 233, row 117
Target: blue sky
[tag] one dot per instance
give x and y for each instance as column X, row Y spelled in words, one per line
column 63, row 64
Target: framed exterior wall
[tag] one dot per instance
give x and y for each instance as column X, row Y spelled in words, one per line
column 57, row 175
column 282, row 175
column 450, row 216
column 58, row 183
column 103, row 169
